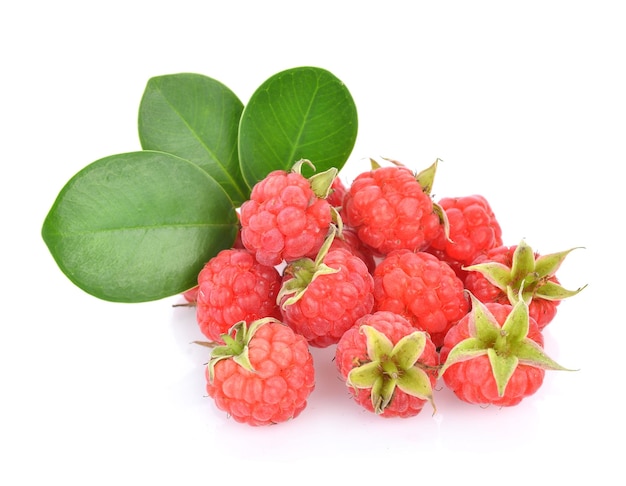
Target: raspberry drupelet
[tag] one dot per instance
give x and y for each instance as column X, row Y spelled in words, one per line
column 287, row 215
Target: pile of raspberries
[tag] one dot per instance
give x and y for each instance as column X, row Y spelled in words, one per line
column 408, row 290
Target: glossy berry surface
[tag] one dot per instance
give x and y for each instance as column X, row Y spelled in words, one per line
column 389, row 210
column 284, row 219
column 423, row 289
column 473, row 229
column 233, row 287
column 263, row 377
column 388, row 395
column 332, row 302
column 494, row 355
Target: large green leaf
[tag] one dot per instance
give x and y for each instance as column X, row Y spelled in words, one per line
column 196, row 118
column 303, row 112
column 138, row 226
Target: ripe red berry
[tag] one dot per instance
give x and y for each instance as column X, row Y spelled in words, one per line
column 502, row 272
column 322, row 299
column 390, row 210
column 285, row 218
column 423, row 289
column 495, row 355
column 234, row 287
column 389, row 367
column 263, row 375
column 472, row 230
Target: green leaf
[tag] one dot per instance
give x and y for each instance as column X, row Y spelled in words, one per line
column 300, row 113
column 196, row 118
column 138, row 226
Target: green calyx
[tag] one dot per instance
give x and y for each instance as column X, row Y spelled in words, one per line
column 236, row 346
column 304, row 271
column 506, row 346
column 426, row 178
column 321, row 182
column 390, row 366
column 529, row 275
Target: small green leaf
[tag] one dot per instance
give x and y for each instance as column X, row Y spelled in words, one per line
column 379, row 346
column 532, row 354
column 502, row 367
column 483, row 325
column 415, row 382
column 407, row 350
column 516, row 325
column 364, row 376
column 196, row 118
column 553, row 291
column 138, row 226
column 463, row 351
column 496, row 273
column 547, row 265
column 300, row 113
column 523, row 266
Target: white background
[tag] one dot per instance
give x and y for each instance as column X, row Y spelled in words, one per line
column 523, row 101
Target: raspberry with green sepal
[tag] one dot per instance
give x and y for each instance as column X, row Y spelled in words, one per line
column 389, row 367
column 323, row 298
column 504, row 273
column 263, row 375
column 495, row 355
column 287, row 215
column 472, row 230
column 390, row 208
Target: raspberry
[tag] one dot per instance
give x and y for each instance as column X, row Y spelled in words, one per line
column 473, row 229
column 502, row 272
column 263, row 375
column 285, row 218
column 423, row 289
column 388, row 366
column 494, row 355
column 234, row 287
column 390, row 210
column 322, row 299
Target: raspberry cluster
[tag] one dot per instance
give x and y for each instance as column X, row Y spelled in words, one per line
column 409, row 291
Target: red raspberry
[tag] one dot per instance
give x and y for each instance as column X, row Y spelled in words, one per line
column 264, row 375
column 423, row 289
column 322, row 299
column 234, row 287
column 494, row 355
column 284, row 219
column 473, row 229
column 500, row 274
column 390, row 210
column 389, row 366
